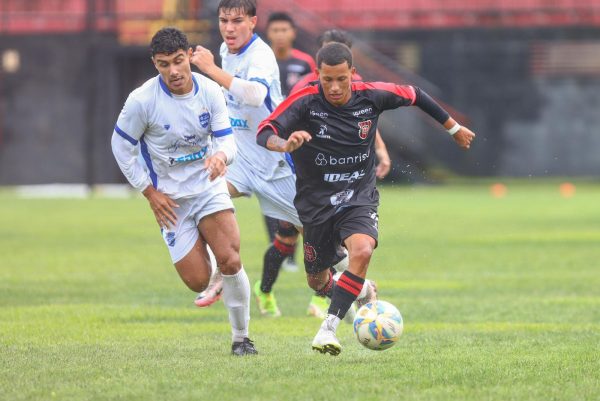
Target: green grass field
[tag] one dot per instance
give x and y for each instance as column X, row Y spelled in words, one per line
column 500, row 297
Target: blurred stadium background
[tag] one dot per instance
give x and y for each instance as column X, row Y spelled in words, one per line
column 524, row 75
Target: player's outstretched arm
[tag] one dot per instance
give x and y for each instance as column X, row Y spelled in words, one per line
column 462, row 135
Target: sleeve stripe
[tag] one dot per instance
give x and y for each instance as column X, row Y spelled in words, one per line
column 260, row 80
column 264, row 124
column 308, row 90
column 125, row 136
column 405, row 91
column 222, row 132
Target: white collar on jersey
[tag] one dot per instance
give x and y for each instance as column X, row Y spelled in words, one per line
column 165, row 88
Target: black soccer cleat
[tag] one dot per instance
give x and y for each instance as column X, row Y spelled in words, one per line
column 244, row 347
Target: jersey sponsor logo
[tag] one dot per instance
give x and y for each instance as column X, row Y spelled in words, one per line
column 349, row 177
column 188, row 158
column 320, row 114
column 322, row 160
column 204, row 119
column 238, row 123
column 323, row 132
column 362, row 112
column 363, row 129
column 341, row 197
column 310, row 253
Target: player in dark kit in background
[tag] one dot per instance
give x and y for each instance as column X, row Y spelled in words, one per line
column 293, row 64
column 336, row 195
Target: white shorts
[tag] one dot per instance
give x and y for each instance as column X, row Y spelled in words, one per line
column 276, row 197
column 181, row 239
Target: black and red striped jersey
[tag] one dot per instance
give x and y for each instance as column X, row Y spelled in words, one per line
column 336, row 169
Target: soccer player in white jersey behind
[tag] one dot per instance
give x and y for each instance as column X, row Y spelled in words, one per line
column 250, row 78
column 179, row 122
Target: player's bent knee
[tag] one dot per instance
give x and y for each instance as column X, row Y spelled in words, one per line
column 362, row 254
column 229, row 263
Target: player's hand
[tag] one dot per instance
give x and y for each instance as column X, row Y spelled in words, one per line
column 296, row 139
column 202, row 58
column 162, row 206
column 464, row 137
column 383, row 168
column 215, row 165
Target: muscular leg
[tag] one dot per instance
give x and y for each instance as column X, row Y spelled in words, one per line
column 221, row 232
column 348, row 287
column 195, row 269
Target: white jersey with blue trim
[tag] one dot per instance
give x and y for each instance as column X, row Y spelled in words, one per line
column 254, row 62
column 174, row 133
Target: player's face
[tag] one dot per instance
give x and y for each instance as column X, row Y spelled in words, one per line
column 236, row 28
column 281, row 34
column 175, row 70
column 336, row 81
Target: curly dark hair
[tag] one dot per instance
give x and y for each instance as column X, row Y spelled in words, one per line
column 168, row 41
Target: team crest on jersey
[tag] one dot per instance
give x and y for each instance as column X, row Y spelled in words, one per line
column 310, row 254
column 363, row 129
column 204, row 119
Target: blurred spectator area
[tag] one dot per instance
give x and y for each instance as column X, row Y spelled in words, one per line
column 524, row 74
column 134, row 22
column 402, row 14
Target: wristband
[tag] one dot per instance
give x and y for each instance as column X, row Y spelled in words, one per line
column 454, row 129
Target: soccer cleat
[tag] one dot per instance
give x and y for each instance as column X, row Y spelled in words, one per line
column 266, row 302
column 244, row 347
column 318, row 307
column 212, row 293
column 326, row 342
column 368, row 294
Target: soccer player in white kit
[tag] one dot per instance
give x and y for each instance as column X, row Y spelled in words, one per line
column 178, row 120
column 250, row 78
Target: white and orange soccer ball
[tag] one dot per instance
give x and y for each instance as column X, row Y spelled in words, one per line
column 378, row 325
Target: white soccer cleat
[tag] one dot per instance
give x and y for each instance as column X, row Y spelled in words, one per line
column 326, row 341
column 212, row 293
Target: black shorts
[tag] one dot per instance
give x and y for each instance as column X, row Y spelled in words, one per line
column 322, row 241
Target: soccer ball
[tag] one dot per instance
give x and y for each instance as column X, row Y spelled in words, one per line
column 378, row 325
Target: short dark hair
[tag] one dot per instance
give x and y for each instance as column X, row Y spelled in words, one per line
column 334, row 54
column 247, row 6
column 168, row 41
column 280, row 16
column 335, row 35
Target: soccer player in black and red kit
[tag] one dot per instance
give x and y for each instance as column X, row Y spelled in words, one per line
column 335, row 171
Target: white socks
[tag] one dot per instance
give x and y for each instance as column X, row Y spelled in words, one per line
column 236, row 297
